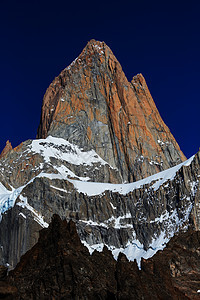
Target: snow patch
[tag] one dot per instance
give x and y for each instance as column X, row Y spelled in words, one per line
column 113, row 207
column 59, row 148
column 194, row 186
column 73, row 63
column 92, row 223
column 153, row 162
column 133, row 249
column 21, row 214
column 116, row 223
column 59, row 189
column 36, row 215
column 98, row 247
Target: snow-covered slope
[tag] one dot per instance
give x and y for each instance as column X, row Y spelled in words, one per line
column 59, row 148
column 155, row 181
column 51, row 149
column 136, row 218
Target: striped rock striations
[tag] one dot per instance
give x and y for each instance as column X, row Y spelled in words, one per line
column 93, row 105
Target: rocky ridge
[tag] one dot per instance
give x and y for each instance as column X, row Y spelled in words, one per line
column 60, row 267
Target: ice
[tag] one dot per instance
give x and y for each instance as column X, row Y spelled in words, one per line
column 8, row 198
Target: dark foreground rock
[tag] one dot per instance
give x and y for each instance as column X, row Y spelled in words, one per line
column 60, row 267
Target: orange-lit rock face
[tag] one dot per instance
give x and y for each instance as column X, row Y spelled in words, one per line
column 92, row 104
column 6, row 149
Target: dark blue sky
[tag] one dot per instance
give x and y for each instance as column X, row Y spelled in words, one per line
column 160, row 39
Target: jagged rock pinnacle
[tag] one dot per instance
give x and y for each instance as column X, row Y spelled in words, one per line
column 6, row 149
column 92, row 104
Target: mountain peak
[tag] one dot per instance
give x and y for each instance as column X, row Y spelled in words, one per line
column 93, row 105
column 96, row 42
column 95, row 52
column 6, row 149
column 96, row 46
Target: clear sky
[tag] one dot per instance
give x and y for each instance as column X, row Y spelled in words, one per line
column 160, row 39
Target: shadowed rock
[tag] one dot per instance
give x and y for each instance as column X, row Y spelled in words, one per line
column 60, row 267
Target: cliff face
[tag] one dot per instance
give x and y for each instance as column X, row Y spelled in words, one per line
column 92, row 104
column 60, row 267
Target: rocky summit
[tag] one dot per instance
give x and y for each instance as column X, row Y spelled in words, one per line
column 93, row 105
column 103, row 158
column 6, row 149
